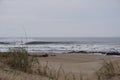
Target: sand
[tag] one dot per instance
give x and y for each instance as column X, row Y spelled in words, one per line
column 75, row 63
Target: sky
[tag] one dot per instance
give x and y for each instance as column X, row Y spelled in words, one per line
column 60, row 18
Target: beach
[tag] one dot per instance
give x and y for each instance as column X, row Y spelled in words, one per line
column 75, row 63
column 59, row 40
column 87, row 64
column 71, row 58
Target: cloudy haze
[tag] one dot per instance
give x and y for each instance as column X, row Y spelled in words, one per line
column 60, row 18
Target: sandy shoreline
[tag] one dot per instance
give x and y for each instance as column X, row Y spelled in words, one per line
column 75, row 63
column 87, row 64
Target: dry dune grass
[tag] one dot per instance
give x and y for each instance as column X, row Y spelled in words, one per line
column 109, row 71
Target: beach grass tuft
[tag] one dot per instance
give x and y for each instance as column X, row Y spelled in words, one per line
column 18, row 59
column 108, row 70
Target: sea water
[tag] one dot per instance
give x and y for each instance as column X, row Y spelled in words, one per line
column 36, row 44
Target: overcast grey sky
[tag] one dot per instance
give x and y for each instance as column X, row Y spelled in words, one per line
column 60, row 18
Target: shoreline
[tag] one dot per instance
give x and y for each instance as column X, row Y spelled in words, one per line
column 74, row 52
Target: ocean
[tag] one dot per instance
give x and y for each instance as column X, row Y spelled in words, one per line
column 60, row 45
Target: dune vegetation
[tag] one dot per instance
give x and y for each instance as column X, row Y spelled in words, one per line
column 19, row 65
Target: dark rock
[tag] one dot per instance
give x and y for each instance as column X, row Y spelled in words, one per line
column 113, row 53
